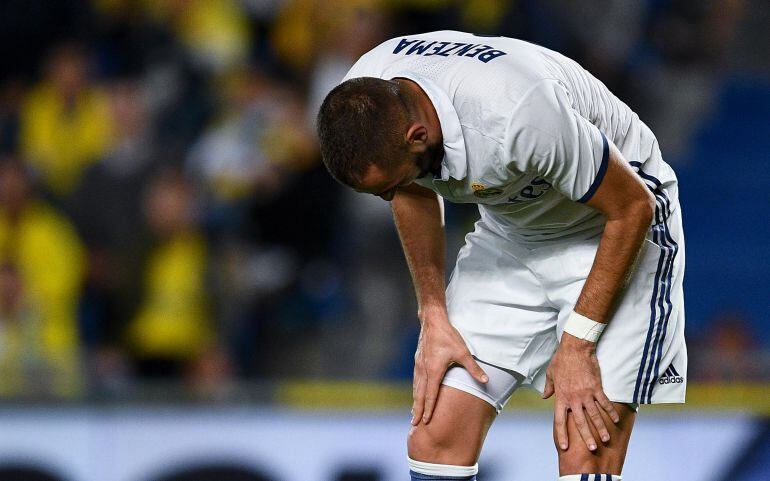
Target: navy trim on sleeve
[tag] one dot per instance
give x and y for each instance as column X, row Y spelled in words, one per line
column 600, row 174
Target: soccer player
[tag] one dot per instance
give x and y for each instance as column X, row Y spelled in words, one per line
column 571, row 281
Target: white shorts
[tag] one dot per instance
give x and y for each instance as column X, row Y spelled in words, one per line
column 510, row 303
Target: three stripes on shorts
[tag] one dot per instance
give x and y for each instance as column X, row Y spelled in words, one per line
column 660, row 302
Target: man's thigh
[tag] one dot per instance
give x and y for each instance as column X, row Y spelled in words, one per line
column 456, row 431
column 608, row 457
column 499, row 307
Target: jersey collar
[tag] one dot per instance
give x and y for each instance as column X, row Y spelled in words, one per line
column 454, row 163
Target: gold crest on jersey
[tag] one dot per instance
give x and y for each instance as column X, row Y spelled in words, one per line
column 481, row 191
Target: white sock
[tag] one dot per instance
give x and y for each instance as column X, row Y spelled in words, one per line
column 442, row 469
column 591, row 477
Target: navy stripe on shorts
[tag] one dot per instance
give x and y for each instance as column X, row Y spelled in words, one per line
column 660, row 301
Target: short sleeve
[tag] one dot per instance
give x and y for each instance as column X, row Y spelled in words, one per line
column 546, row 136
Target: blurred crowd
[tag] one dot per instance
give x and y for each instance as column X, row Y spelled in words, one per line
column 164, row 215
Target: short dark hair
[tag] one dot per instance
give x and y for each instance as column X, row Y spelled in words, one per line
column 361, row 122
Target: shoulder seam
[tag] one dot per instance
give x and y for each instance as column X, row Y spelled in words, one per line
column 498, row 142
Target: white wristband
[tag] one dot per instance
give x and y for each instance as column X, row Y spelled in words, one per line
column 583, row 328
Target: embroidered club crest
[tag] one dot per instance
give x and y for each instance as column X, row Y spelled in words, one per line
column 481, row 191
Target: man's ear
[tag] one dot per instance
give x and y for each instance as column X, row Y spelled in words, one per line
column 416, row 135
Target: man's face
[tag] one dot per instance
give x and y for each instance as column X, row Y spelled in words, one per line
column 383, row 182
column 421, row 153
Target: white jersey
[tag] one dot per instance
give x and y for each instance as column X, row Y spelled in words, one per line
column 525, row 130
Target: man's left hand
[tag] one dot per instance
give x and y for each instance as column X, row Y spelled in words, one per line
column 574, row 377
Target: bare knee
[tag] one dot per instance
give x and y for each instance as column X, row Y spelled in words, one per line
column 578, row 459
column 438, row 443
column 609, row 457
column 455, row 433
column 422, row 445
column 431, row 443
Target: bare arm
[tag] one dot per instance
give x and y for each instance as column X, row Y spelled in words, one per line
column 629, row 208
column 574, row 372
column 418, row 216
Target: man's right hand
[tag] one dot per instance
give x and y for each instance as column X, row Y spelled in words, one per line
column 439, row 346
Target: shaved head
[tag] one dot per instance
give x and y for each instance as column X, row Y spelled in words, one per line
column 362, row 122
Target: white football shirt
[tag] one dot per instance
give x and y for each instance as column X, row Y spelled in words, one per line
column 525, row 130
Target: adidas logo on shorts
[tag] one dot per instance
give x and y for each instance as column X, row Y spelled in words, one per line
column 670, row 376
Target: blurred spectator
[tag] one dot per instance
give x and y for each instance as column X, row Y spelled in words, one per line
column 255, row 154
column 729, row 352
column 141, row 40
column 257, row 144
column 216, row 33
column 106, row 203
column 179, row 99
column 42, row 265
column 25, row 368
column 65, row 120
column 172, row 327
column 106, row 208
